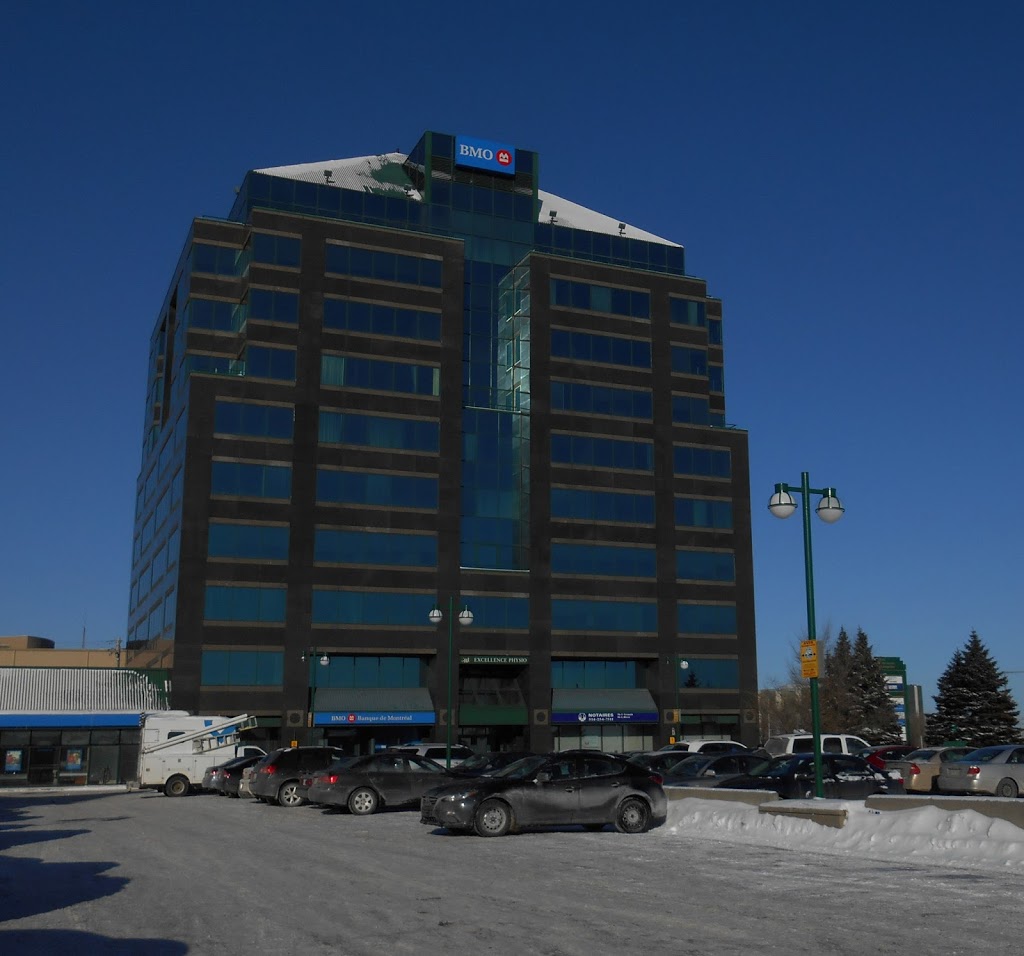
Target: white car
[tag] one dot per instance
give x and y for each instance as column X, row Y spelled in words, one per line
column 705, row 746
column 436, row 751
column 803, row 743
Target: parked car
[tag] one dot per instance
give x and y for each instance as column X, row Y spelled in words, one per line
column 844, row 777
column 229, row 778
column 799, row 743
column 278, row 777
column 436, row 751
column 484, row 764
column 920, row 768
column 660, row 761
column 209, row 776
column 713, row 770
column 366, row 784
column 879, row 756
column 583, row 787
column 705, row 746
column 997, row 770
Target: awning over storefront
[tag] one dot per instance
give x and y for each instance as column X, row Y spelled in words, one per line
column 633, row 705
column 372, row 706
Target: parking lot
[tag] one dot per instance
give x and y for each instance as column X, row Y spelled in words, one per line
column 139, row 872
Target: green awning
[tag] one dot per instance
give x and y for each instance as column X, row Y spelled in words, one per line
column 491, row 715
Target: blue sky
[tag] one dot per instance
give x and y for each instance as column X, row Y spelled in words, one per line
column 846, row 177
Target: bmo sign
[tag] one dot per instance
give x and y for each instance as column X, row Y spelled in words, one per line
column 483, row 154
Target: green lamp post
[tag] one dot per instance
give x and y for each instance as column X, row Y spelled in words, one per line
column 830, row 511
column 465, row 619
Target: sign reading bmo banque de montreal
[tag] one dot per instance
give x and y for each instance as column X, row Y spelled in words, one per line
column 483, row 154
column 364, row 717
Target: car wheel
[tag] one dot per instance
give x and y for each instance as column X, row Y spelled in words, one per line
column 633, row 816
column 1007, row 788
column 289, row 796
column 177, row 786
column 362, row 801
column 493, row 818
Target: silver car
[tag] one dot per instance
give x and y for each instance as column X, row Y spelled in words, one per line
column 995, row 770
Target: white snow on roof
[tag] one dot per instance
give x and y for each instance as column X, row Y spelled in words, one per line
column 385, row 174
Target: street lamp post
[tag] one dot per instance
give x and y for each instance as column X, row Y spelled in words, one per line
column 465, row 619
column 310, row 655
column 830, row 511
column 681, row 665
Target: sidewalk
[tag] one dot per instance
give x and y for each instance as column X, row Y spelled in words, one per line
column 91, row 790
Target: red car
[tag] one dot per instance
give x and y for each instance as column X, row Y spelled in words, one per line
column 877, row 756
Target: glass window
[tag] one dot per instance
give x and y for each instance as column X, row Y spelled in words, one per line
column 276, row 250
column 706, row 618
column 593, row 674
column 259, row 603
column 690, row 409
column 376, row 488
column 568, row 614
column 247, row 418
column 217, row 260
column 596, row 298
column 272, row 305
column 250, row 480
column 242, row 668
column 263, row 362
column 355, row 316
column 601, row 452
column 689, row 361
column 601, row 399
column 706, row 462
column 370, row 607
column 603, row 560
column 705, row 565
column 401, row 434
column 687, row 312
column 703, row 513
column 383, row 266
column 592, row 505
column 346, row 371
column 247, row 541
column 375, row 548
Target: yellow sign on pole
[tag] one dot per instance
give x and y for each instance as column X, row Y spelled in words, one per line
column 808, row 658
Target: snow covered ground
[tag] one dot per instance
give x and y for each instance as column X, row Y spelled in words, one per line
column 956, row 838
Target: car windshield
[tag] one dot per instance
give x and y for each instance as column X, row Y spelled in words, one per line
column 690, row 766
column 478, row 762
column 781, row 768
column 984, row 755
column 521, row 769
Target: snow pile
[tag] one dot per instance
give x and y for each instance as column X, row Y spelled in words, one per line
column 962, row 838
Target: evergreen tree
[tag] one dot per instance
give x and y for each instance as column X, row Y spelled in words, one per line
column 872, row 714
column 974, row 702
column 834, row 686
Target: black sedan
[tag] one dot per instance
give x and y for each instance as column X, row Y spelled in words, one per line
column 714, row 770
column 227, row 780
column 844, row 777
column 582, row 787
column 366, row 784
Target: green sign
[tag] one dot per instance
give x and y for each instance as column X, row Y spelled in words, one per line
column 493, row 659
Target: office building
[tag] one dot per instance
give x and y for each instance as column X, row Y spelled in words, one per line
column 399, row 384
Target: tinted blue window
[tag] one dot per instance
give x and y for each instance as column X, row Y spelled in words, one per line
column 272, row 305
column 598, row 559
column 381, row 319
column 244, row 418
column 384, row 266
column 687, row 312
column 497, row 613
column 218, row 260
column 370, row 607
column 262, row 362
column 705, row 565
column 690, row 409
column 377, row 432
column 262, row 604
column 265, row 542
column 703, row 513
column 716, row 378
column 276, row 250
column 581, row 615
column 248, row 480
column 347, row 371
column 601, row 399
column 373, row 488
column 242, row 668
column 591, row 505
column 706, row 619
column 689, row 460
column 365, row 670
column 593, row 674
column 689, row 361
column 601, row 452
column 597, row 298
column 715, row 331
column 375, row 548
column 710, row 673
column 210, row 314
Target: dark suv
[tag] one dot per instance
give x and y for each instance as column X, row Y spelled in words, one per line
column 277, row 778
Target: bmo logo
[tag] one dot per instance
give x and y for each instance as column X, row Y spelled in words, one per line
column 483, row 154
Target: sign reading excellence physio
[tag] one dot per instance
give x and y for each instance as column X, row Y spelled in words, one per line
column 362, row 718
column 484, row 154
column 603, row 717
